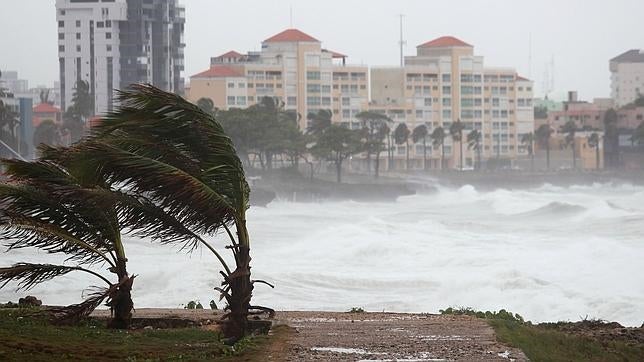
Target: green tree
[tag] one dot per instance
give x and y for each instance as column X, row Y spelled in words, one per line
column 543, row 134
column 569, row 129
column 456, row 131
column 421, row 133
column 9, row 122
column 336, row 144
column 638, row 134
column 319, row 121
column 373, row 126
column 474, row 143
column 166, row 149
column 611, row 138
column 67, row 211
column 47, row 133
column 438, row 140
column 401, row 136
column 594, row 141
column 527, row 140
column 81, row 109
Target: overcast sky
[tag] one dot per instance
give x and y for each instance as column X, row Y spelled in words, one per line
column 582, row 35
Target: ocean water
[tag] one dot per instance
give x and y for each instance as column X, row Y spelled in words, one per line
column 549, row 253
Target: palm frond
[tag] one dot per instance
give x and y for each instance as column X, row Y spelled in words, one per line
column 29, row 275
column 75, row 312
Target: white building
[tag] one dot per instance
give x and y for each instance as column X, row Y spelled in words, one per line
column 627, row 77
column 114, row 43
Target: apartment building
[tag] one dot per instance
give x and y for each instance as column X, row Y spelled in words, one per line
column 627, row 77
column 291, row 66
column 114, row 43
column 445, row 82
column 586, row 115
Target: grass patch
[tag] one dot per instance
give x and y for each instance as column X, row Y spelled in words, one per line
column 27, row 336
column 561, row 341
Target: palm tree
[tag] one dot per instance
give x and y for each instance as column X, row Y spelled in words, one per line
column 382, row 132
column 611, row 138
column 421, row 133
column 159, row 145
column 527, row 139
column 438, row 140
column 401, row 135
column 319, row 121
column 48, row 133
column 456, row 131
column 81, row 109
column 543, row 134
column 9, row 120
column 371, row 123
column 61, row 210
column 474, row 142
column 593, row 141
column 569, row 128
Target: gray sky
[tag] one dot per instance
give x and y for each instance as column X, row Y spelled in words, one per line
column 582, row 35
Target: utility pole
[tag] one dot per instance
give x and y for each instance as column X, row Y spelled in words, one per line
column 402, row 42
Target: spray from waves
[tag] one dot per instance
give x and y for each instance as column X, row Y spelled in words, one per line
column 554, row 209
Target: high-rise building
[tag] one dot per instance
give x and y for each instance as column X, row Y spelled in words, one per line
column 293, row 67
column 627, row 77
column 114, row 43
column 445, row 82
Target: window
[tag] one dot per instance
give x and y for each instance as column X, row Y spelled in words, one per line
column 61, row 48
column 447, row 102
column 78, row 23
column 291, row 101
column 447, row 77
column 313, row 75
column 344, row 88
column 419, row 114
column 108, row 23
column 326, row 89
column 326, row 101
column 61, row 36
column 78, row 48
column 313, row 101
column 108, row 35
column 447, row 114
column 428, row 102
column 346, row 113
column 61, row 24
column 447, row 89
column 108, row 47
column 354, row 88
column 78, row 36
column 346, row 101
column 313, row 88
column 231, row 85
column 99, row 24
column 230, row 100
column 241, row 101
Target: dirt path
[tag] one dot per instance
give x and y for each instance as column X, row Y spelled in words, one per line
column 388, row 337
column 332, row 336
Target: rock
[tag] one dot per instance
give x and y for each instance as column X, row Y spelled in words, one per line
column 29, row 301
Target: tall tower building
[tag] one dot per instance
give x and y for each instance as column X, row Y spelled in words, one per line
column 114, row 43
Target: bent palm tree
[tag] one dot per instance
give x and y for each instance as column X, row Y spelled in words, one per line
column 159, row 145
column 474, row 142
column 456, row 131
column 438, row 140
column 421, row 133
column 48, row 207
column 569, row 128
column 527, row 139
column 401, row 135
column 543, row 134
column 593, row 141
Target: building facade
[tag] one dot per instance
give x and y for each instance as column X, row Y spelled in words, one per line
column 445, row 82
column 293, row 67
column 114, row 43
column 627, row 77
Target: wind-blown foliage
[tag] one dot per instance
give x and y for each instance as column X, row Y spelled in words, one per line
column 420, row 133
column 438, row 140
column 474, row 142
column 177, row 156
column 401, row 136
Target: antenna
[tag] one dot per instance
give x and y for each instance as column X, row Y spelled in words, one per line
column 402, row 43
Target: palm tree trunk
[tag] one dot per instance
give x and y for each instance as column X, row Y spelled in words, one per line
column 241, row 287
column 338, row 169
column 548, row 155
column 597, row 156
column 460, row 144
column 574, row 159
column 377, row 165
column 407, row 154
column 442, row 156
column 424, row 154
column 121, row 301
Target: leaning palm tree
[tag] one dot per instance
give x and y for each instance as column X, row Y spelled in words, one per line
column 527, row 139
column 421, row 133
column 474, row 142
column 438, row 140
column 159, row 145
column 456, row 131
column 46, row 206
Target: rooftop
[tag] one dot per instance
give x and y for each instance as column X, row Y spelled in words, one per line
column 217, row 71
column 231, row 54
column 443, row 42
column 45, row 108
column 291, row 35
column 631, row 56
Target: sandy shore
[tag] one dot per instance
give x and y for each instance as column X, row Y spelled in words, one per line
column 333, row 336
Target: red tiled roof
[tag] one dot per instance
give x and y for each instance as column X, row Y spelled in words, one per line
column 334, row 54
column 231, row 54
column 520, row 78
column 444, row 41
column 45, row 108
column 291, row 35
column 219, row 71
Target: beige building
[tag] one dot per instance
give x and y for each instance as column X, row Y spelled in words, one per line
column 445, row 82
column 627, row 77
column 291, row 66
